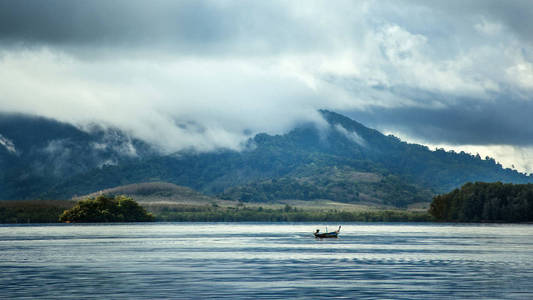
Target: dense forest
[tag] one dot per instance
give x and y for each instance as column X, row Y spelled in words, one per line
column 485, row 202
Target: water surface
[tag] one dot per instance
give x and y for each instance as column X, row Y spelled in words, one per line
column 265, row 260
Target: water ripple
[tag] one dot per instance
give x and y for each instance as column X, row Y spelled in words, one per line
column 266, row 261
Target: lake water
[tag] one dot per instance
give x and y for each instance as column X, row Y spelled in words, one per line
column 266, row 260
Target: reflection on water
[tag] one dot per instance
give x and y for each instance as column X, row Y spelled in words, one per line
column 263, row 260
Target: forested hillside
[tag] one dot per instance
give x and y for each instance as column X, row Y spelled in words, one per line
column 488, row 202
column 37, row 153
column 342, row 161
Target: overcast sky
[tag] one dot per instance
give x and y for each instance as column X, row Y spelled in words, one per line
column 208, row 74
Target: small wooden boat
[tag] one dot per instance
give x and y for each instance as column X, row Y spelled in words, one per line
column 325, row 235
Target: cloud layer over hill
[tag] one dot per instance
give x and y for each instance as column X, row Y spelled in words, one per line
column 209, row 74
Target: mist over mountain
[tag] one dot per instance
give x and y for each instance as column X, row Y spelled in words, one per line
column 342, row 160
column 37, row 152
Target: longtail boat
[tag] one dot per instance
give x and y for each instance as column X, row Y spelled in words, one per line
column 325, row 235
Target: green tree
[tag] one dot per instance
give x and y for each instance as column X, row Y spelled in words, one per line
column 106, row 209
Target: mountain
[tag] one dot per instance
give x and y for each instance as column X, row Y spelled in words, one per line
column 343, row 161
column 36, row 153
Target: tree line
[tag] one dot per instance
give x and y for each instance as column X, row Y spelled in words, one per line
column 286, row 214
column 123, row 209
column 485, row 202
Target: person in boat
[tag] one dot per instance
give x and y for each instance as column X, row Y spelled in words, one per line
column 317, row 231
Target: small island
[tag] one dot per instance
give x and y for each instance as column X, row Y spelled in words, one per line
column 106, row 209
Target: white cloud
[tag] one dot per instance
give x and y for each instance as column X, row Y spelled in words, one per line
column 352, row 135
column 521, row 74
column 183, row 103
column 8, row 144
column 488, row 28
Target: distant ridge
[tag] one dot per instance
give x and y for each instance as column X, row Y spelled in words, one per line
column 154, row 192
column 332, row 162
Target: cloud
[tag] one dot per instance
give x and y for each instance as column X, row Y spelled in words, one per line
column 185, row 103
column 469, row 122
column 216, row 28
column 514, row 15
column 8, row 145
column 351, row 135
column 210, row 74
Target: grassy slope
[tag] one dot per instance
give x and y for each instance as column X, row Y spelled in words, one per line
column 169, row 202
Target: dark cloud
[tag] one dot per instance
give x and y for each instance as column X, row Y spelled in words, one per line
column 190, row 27
column 470, row 122
column 514, row 14
column 231, row 25
column 93, row 22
